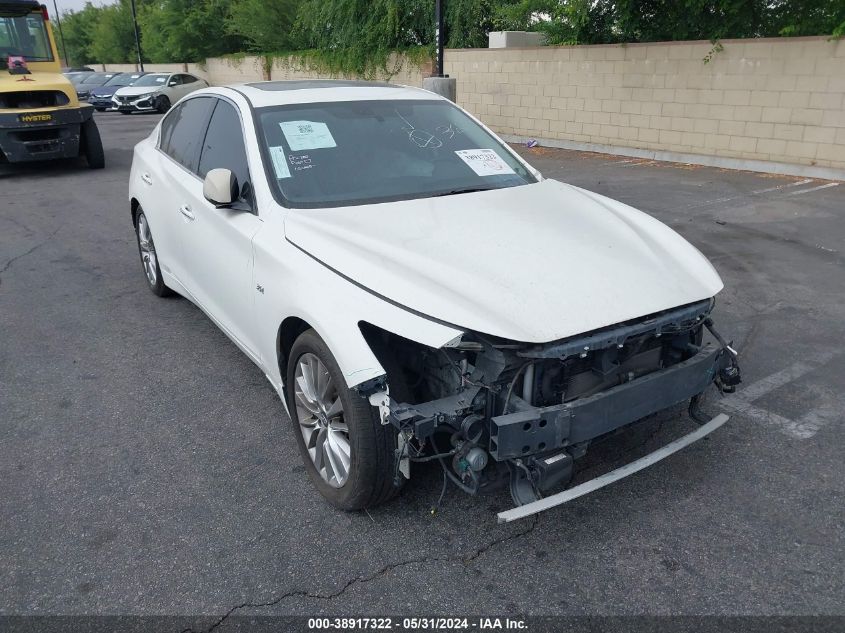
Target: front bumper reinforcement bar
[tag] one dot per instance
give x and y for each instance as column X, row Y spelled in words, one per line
column 520, row 512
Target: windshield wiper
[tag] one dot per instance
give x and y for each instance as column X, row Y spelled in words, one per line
column 466, row 190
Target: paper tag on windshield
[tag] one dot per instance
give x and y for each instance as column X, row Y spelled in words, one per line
column 307, row 135
column 280, row 162
column 484, row 162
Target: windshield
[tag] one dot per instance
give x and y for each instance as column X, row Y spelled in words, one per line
column 151, row 80
column 361, row 152
column 97, row 79
column 123, row 79
column 24, row 36
column 77, row 78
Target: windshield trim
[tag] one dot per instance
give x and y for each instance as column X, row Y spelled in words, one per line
column 280, row 198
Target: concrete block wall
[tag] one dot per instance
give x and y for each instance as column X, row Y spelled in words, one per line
column 408, row 74
column 775, row 105
column 222, row 71
column 768, row 104
column 115, row 68
column 150, row 68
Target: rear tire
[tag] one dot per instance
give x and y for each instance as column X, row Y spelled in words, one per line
column 368, row 479
column 92, row 145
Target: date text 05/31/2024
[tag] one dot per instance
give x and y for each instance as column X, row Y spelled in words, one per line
column 414, row 624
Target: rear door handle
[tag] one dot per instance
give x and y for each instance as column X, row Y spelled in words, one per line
column 186, row 211
column 146, row 178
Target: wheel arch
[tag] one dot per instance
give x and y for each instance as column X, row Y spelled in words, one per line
column 134, row 205
column 348, row 346
column 287, row 333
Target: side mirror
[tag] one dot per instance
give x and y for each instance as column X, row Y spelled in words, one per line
column 220, row 188
column 171, row 83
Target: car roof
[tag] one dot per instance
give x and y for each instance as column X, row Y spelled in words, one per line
column 271, row 93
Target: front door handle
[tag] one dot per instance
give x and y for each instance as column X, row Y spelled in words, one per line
column 186, row 211
column 146, row 178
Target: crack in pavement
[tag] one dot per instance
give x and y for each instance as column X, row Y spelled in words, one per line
column 360, row 580
column 9, row 263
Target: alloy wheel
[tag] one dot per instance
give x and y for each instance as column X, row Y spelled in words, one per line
column 319, row 410
column 148, row 251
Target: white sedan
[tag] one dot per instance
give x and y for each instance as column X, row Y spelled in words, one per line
column 156, row 92
column 415, row 291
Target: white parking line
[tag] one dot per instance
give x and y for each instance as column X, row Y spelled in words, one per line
column 776, row 380
column 804, row 427
column 787, row 186
column 798, row 193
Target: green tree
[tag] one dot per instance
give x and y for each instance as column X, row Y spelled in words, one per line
column 604, row 21
column 78, row 30
column 808, row 17
column 357, row 36
column 666, row 20
column 186, row 30
column 113, row 35
column 563, row 21
column 469, row 21
column 265, row 27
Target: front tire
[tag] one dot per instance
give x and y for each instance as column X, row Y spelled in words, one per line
column 162, row 104
column 349, row 455
column 92, row 145
column 149, row 257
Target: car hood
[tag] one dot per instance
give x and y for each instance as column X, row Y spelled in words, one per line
column 533, row 263
column 104, row 91
column 134, row 91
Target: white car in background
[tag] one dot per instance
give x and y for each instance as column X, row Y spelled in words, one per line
column 156, row 92
column 415, row 291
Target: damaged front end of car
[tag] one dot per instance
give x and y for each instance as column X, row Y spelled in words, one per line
column 499, row 413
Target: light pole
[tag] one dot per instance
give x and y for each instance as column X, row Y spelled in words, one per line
column 440, row 82
column 61, row 35
column 439, row 35
column 137, row 38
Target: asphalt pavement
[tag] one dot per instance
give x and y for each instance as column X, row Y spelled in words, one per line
column 147, row 467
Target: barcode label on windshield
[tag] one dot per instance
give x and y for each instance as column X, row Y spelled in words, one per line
column 280, row 162
column 302, row 135
column 484, row 162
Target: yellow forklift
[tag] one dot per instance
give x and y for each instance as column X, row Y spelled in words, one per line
column 40, row 115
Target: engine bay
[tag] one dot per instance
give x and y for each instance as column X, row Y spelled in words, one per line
column 496, row 412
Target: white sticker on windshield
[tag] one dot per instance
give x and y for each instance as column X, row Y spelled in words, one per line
column 280, row 163
column 307, row 135
column 484, row 162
